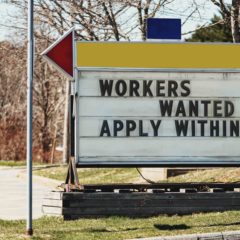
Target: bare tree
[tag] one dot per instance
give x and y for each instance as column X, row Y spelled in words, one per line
column 95, row 20
column 231, row 15
column 12, row 101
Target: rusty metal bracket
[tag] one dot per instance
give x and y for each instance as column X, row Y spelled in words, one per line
column 72, row 181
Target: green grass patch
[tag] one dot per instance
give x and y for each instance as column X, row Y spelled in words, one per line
column 122, row 227
column 93, row 175
column 22, row 163
column 225, row 175
column 4, row 163
column 130, row 175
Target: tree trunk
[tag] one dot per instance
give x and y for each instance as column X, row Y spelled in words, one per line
column 46, row 142
column 54, row 144
column 235, row 20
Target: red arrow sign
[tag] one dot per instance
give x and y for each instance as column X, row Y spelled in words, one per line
column 60, row 53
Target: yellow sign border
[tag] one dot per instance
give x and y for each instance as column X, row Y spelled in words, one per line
column 157, row 55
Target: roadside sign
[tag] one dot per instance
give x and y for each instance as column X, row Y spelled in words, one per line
column 154, row 118
column 156, row 104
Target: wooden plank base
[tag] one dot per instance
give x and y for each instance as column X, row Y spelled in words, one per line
column 74, row 205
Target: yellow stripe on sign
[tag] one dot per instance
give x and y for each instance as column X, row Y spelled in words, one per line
column 158, row 55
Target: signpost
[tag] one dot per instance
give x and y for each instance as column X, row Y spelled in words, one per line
column 156, row 104
column 29, row 116
column 151, row 104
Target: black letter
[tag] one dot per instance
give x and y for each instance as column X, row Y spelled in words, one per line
column 134, row 86
column 155, row 127
column 186, row 88
column 193, row 108
column 205, row 104
column 234, row 128
column 216, row 107
column 229, row 108
column 180, row 109
column 147, row 88
column 166, row 107
column 193, row 128
column 123, row 90
column 181, row 127
column 130, row 126
column 172, row 88
column 214, row 128
column 202, row 122
column 224, row 129
column 105, row 129
column 159, row 88
column 106, row 87
column 141, row 133
column 117, row 127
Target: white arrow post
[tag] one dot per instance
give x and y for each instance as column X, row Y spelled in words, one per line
column 29, row 115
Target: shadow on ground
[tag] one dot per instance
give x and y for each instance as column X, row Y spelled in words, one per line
column 171, row 227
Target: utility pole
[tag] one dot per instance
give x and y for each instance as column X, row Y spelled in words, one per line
column 30, row 67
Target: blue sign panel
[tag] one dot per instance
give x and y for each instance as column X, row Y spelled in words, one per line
column 163, row 28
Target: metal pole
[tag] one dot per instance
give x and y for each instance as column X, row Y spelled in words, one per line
column 29, row 115
column 66, row 125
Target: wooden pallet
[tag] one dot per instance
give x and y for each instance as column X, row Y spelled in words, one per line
column 74, row 205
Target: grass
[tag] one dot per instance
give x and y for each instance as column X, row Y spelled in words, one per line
column 225, row 175
column 21, row 163
column 121, row 227
column 126, row 175
column 93, row 175
column 4, row 163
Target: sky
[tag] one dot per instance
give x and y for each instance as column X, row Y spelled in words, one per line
column 5, row 10
column 180, row 9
